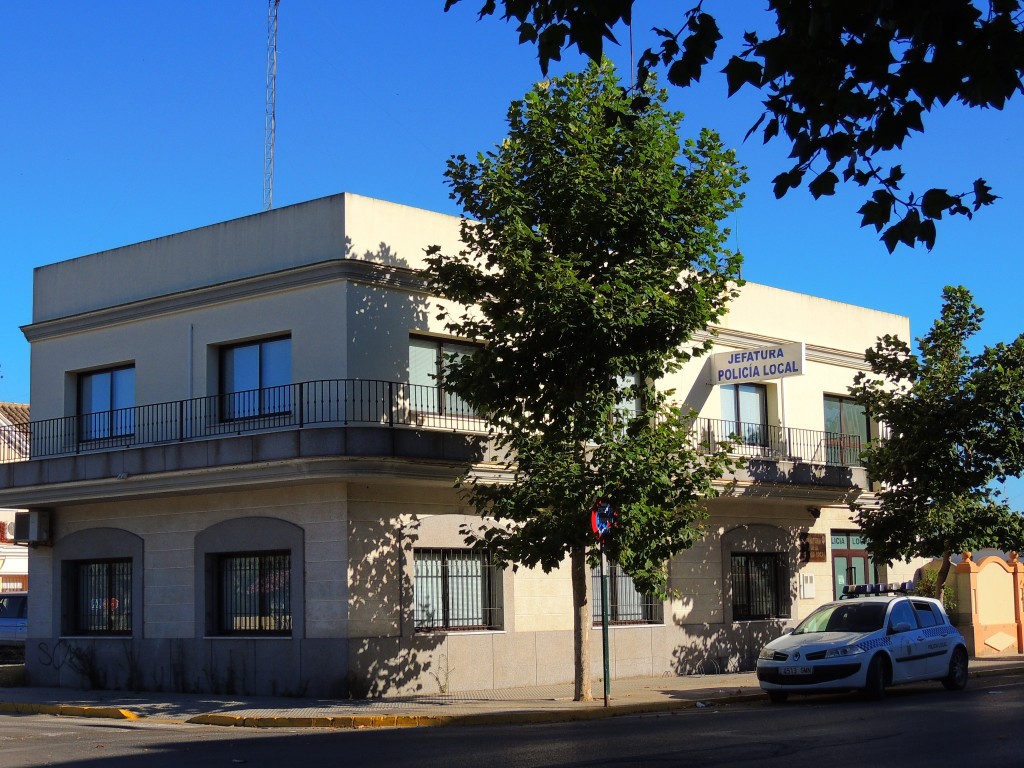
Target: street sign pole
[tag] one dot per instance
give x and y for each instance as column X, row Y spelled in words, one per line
column 604, row 622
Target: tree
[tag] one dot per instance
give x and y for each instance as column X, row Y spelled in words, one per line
column 844, row 82
column 956, row 424
column 591, row 257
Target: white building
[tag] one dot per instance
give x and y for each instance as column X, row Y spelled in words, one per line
column 13, row 447
column 247, row 474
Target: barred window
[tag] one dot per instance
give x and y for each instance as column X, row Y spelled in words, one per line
column 254, row 593
column 626, row 604
column 101, row 597
column 760, row 586
column 455, row 589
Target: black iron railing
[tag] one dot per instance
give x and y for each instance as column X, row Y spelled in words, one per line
column 342, row 402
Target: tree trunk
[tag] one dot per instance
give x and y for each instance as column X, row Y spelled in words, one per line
column 943, row 574
column 582, row 620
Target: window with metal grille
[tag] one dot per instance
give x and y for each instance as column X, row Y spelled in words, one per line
column 101, row 597
column 760, row 586
column 254, row 593
column 626, row 604
column 455, row 589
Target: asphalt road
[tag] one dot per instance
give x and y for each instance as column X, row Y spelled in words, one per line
column 920, row 725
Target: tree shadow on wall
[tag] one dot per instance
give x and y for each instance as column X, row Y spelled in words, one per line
column 733, row 645
column 386, row 656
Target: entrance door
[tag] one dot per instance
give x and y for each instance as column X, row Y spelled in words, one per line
column 851, row 562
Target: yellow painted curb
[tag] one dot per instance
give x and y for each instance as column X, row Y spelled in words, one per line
column 67, row 710
column 588, row 712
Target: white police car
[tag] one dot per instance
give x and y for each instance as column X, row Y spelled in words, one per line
column 877, row 636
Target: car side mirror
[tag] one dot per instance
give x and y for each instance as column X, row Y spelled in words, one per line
column 903, row 626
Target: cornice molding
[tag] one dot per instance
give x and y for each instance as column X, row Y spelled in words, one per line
column 236, row 477
column 335, row 270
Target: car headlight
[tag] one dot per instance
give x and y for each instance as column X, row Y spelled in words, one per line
column 767, row 654
column 846, row 650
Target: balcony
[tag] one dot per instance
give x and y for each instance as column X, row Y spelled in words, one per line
column 249, row 433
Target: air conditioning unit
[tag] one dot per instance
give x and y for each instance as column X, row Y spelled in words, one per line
column 9, row 531
column 32, row 527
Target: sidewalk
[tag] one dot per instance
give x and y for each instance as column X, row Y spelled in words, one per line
column 537, row 704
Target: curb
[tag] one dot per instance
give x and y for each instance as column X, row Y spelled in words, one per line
column 590, row 712
column 585, row 712
column 68, row 710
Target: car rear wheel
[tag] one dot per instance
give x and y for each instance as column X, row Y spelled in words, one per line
column 874, row 685
column 778, row 697
column 956, row 679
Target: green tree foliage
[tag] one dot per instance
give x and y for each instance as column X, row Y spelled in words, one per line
column 593, row 252
column 843, row 82
column 956, row 423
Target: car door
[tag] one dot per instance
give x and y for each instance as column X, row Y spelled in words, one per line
column 910, row 659
column 13, row 619
column 938, row 645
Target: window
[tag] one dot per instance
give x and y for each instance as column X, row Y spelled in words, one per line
column 106, row 401
column 626, row 605
column 254, row 593
column 927, row 614
column 255, row 378
column 848, row 430
column 851, row 561
column 426, row 375
column 760, row 586
column 745, row 411
column 100, row 597
column 455, row 589
column 902, row 613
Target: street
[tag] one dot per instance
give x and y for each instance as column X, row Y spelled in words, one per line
column 920, row 725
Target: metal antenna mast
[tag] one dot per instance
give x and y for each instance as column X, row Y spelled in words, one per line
column 268, row 143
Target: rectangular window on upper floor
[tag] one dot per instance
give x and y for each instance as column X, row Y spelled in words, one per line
column 745, row 412
column 106, row 403
column 256, row 378
column 847, row 430
column 428, row 358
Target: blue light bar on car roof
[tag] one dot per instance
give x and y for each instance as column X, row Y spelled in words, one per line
column 862, row 590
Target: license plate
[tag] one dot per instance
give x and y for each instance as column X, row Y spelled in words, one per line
column 795, row 670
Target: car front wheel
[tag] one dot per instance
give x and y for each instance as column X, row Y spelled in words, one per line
column 874, row 685
column 956, row 679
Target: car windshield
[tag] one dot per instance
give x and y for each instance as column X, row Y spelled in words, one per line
column 848, row 616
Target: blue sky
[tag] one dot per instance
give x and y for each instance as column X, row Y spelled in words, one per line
column 129, row 120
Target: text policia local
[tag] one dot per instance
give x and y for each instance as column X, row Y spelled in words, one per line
column 757, row 364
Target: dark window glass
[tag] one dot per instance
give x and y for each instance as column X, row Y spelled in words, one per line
column 926, row 614
column 455, row 589
column 626, row 604
column 255, row 378
column 101, row 597
column 254, row 593
column 760, row 586
column 106, row 403
column 902, row 613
